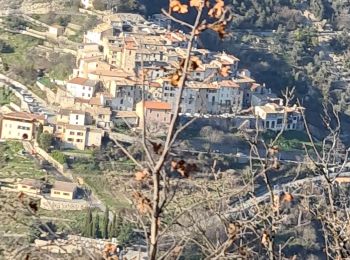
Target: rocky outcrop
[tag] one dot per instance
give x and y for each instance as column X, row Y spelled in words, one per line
column 30, row 6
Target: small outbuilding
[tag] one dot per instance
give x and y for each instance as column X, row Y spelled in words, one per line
column 64, row 190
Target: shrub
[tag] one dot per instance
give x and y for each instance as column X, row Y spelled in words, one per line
column 58, row 156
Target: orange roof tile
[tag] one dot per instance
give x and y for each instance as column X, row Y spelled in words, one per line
column 78, row 80
column 155, row 85
column 157, row 105
column 95, row 101
column 24, row 116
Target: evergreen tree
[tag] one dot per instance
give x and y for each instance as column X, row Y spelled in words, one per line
column 45, row 141
column 111, row 227
column 125, row 234
column 39, row 132
column 105, row 224
column 87, row 229
column 96, row 227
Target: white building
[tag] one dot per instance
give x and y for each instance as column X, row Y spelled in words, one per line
column 87, row 4
column 275, row 117
column 97, row 34
column 82, row 87
column 77, row 117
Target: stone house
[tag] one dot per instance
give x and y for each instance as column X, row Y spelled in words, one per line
column 272, row 117
column 20, row 125
column 154, row 113
column 56, row 30
column 30, row 186
column 64, row 190
column 82, row 87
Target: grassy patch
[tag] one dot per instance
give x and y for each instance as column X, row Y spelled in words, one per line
column 106, row 192
column 22, row 44
column 37, row 91
column 290, row 140
column 14, row 164
column 47, row 82
column 68, row 221
column 6, row 97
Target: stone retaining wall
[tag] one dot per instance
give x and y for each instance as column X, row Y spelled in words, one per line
column 51, row 204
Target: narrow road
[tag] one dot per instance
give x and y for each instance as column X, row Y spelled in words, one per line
column 262, row 196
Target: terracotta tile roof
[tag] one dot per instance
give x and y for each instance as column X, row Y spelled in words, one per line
column 78, row 80
column 155, row 85
column 157, row 105
column 31, row 182
column 228, row 83
column 126, row 114
column 64, row 186
column 67, row 112
column 99, row 111
column 75, row 127
column 95, row 130
column 23, row 116
column 95, row 101
column 81, row 100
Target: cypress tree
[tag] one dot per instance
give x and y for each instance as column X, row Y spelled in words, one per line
column 87, row 230
column 105, row 224
column 112, row 227
column 118, row 225
column 96, row 228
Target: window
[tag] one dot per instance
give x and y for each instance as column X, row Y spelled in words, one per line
column 66, row 194
column 24, row 186
column 273, row 124
column 70, row 139
column 56, row 192
column 79, row 140
column 267, row 124
column 121, row 101
column 71, row 133
column 157, row 114
column 83, row 95
column 89, row 95
column 80, row 133
column 84, row 88
column 77, row 117
column 279, row 121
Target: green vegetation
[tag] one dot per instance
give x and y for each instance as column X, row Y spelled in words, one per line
column 111, row 196
column 14, row 163
column 46, row 81
column 18, row 62
column 59, row 156
column 87, row 230
column 6, row 97
column 290, row 140
column 45, row 141
column 95, row 228
column 66, row 221
column 120, row 5
column 62, row 67
column 5, row 47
